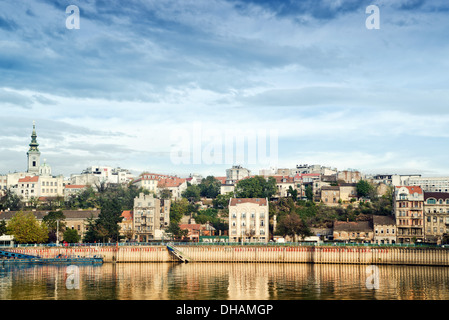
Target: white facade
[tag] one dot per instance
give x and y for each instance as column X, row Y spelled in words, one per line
column 248, row 220
column 429, row 184
column 236, row 173
column 101, row 174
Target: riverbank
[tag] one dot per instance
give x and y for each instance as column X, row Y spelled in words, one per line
column 254, row 254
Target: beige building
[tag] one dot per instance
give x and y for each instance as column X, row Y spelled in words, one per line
column 408, row 206
column 384, row 229
column 353, row 231
column 436, row 212
column 330, row 194
column 151, row 217
column 348, row 191
column 248, row 220
column 283, row 184
column 349, row 176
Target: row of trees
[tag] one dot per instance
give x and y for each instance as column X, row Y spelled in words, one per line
column 26, row 228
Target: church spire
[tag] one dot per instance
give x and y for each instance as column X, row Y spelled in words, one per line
column 34, row 145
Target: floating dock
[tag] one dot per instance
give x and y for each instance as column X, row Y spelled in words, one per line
column 8, row 258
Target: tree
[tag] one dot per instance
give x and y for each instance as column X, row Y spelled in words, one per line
column 192, row 193
column 292, row 225
column 178, row 209
column 210, row 187
column 51, row 221
column 176, row 231
column 109, row 218
column 11, row 201
column 364, row 188
column 71, row 236
column 222, row 200
column 309, row 193
column 165, row 194
column 3, row 228
column 293, row 193
column 256, row 187
column 26, row 229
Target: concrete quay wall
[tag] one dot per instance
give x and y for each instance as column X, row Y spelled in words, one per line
column 254, row 254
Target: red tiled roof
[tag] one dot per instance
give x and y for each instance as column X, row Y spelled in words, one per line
column 29, row 179
column 414, row 189
column 170, row 182
column 127, row 215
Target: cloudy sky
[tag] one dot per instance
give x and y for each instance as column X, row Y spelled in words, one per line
column 170, row 86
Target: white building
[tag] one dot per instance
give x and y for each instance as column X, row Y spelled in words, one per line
column 248, row 220
column 94, row 175
column 236, row 173
column 429, row 184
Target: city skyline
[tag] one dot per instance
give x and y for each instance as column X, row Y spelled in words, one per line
column 115, row 91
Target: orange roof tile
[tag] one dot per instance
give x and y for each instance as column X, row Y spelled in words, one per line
column 29, row 179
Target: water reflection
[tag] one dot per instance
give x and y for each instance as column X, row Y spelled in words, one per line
column 211, row 281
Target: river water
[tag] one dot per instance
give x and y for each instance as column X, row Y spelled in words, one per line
column 223, row 281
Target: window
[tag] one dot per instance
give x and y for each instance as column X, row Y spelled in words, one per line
column 431, row 201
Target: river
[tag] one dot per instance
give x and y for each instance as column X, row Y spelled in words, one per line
column 223, row 281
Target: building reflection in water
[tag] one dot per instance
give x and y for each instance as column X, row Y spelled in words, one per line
column 234, row 281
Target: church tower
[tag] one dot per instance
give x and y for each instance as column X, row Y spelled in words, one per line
column 33, row 153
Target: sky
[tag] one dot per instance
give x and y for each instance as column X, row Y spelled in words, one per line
column 196, row 86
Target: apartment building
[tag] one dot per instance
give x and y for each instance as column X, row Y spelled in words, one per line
column 436, row 211
column 236, row 173
column 384, row 229
column 248, row 220
column 429, row 184
column 408, row 206
column 151, row 217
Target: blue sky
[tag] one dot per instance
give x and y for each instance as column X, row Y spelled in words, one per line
column 139, row 77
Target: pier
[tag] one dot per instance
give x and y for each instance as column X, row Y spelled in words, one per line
column 426, row 256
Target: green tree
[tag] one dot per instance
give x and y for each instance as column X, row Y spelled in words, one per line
column 176, row 231
column 165, row 194
column 26, row 229
column 222, row 200
column 293, row 193
column 192, row 193
column 11, row 201
column 364, row 188
column 109, row 218
column 210, row 187
column 178, row 209
column 292, row 225
column 51, row 220
column 256, row 187
column 3, row 228
column 309, row 193
column 71, row 236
